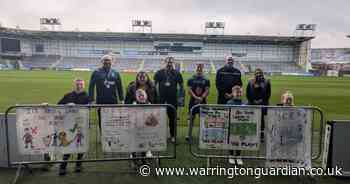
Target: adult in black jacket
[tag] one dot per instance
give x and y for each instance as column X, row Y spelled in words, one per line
column 142, row 82
column 259, row 93
column 77, row 96
column 258, row 89
column 227, row 77
column 167, row 81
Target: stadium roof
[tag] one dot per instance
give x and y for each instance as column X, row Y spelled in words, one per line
column 129, row 36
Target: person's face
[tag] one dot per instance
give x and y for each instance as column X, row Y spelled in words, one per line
column 199, row 69
column 237, row 94
column 107, row 63
column 288, row 101
column 79, row 86
column 259, row 75
column 141, row 97
column 170, row 63
column 229, row 61
column 142, row 78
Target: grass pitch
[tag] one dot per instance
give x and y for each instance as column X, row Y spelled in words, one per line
column 332, row 95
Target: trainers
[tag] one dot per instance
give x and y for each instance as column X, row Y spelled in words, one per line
column 62, row 172
column 239, row 161
column 231, row 161
column 78, row 169
column 149, row 154
column 173, row 140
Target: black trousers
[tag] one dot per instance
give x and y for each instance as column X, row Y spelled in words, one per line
column 99, row 118
column 222, row 99
column 66, row 157
column 171, row 113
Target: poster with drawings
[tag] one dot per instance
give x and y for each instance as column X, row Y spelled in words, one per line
column 288, row 139
column 214, row 123
column 61, row 130
column 134, row 129
column 244, row 128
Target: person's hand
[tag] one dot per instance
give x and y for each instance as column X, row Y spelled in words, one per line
column 70, row 104
column 122, row 102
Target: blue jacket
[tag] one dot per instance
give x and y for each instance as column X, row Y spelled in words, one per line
column 236, row 102
column 108, row 84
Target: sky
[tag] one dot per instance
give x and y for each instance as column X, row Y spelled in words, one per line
column 247, row 17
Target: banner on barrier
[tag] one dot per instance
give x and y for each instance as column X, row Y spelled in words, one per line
column 52, row 129
column 288, row 139
column 134, row 129
column 231, row 128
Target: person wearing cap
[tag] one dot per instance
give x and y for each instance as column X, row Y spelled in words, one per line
column 143, row 82
column 77, row 96
column 227, row 77
column 258, row 93
column 167, row 81
column 108, row 85
column 198, row 89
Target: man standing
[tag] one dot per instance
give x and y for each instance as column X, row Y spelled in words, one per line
column 198, row 89
column 108, row 84
column 227, row 77
column 167, row 80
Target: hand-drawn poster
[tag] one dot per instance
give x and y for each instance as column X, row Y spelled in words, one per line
column 244, row 128
column 52, row 129
column 134, row 129
column 288, row 139
column 214, row 124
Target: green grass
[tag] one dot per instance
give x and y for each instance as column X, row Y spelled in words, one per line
column 332, row 95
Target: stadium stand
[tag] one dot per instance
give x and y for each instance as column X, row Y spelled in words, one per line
column 40, row 61
column 135, row 51
column 78, row 62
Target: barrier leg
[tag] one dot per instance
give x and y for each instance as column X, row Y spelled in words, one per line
column 18, row 174
column 208, row 162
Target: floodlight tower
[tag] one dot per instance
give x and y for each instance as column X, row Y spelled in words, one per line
column 54, row 23
column 305, row 30
column 216, row 28
column 141, row 26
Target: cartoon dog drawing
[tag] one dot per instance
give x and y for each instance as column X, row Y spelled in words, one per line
column 62, row 136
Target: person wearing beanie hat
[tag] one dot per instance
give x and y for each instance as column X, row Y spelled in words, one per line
column 108, row 84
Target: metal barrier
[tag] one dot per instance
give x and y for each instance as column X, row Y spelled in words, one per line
column 94, row 154
column 260, row 153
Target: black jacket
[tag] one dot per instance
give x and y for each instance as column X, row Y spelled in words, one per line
column 257, row 93
column 73, row 97
column 131, row 93
column 174, row 78
column 226, row 78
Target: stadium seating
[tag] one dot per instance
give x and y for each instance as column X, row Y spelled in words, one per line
column 152, row 65
column 40, row 61
column 78, row 62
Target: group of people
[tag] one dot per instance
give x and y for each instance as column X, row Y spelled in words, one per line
column 165, row 88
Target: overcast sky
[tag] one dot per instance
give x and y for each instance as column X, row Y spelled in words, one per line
column 262, row 17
